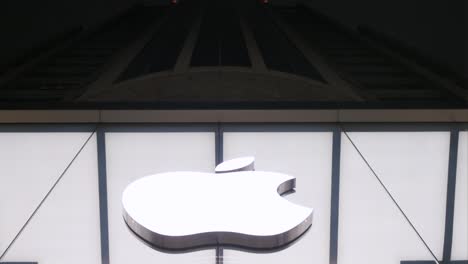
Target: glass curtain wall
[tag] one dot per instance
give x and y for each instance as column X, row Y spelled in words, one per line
column 66, row 228
column 306, row 156
column 412, row 164
column 131, row 156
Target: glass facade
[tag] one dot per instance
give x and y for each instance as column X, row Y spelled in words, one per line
column 308, row 157
column 134, row 155
column 460, row 227
column 413, row 166
column 355, row 220
column 66, row 227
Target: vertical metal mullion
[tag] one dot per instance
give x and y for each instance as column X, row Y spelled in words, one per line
column 219, row 144
column 219, row 255
column 335, row 195
column 103, row 212
column 450, row 203
column 219, row 158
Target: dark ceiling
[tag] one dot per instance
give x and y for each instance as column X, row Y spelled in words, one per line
column 213, row 54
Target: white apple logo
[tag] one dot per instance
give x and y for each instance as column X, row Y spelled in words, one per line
column 235, row 206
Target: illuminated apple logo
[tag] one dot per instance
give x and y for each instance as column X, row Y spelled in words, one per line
column 235, row 206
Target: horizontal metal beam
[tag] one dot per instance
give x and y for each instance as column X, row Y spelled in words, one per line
column 234, row 116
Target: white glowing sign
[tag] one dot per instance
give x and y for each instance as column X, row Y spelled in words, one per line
column 235, row 206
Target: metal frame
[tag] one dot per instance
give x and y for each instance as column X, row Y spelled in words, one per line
column 219, row 128
column 103, row 211
column 450, row 206
column 46, row 128
column 219, row 153
column 335, row 196
column 158, row 128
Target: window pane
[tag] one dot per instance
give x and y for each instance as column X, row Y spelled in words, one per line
column 307, row 156
column 413, row 166
column 66, row 227
column 131, row 156
column 460, row 224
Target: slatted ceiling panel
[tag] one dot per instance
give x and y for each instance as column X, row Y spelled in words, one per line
column 375, row 69
column 423, row 94
column 162, row 51
column 350, row 52
column 73, row 68
column 71, row 61
column 233, row 47
column 360, row 61
column 278, row 52
column 31, row 96
column 383, row 77
column 378, row 78
column 52, row 71
column 220, row 41
column 68, row 84
column 207, row 47
column 374, row 74
column 263, row 33
column 405, row 100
